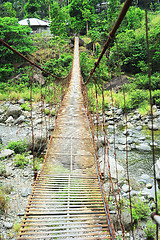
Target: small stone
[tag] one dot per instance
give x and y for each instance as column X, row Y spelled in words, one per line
column 138, row 128
column 155, row 126
column 8, row 225
column 25, row 192
column 21, row 101
column 149, row 185
column 143, row 147
column 125, row 188
column 19, row 120
column 9, row 120
column 6, row 153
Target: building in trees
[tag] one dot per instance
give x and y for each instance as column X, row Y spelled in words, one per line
column 37, row 25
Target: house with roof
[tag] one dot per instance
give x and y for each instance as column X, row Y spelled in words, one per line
column 37, row 25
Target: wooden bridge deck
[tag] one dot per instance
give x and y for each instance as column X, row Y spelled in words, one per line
column 66, row 201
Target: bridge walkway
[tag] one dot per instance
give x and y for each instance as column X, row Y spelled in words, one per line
column 66, row 201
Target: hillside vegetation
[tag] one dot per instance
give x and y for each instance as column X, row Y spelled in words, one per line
column 93, row 21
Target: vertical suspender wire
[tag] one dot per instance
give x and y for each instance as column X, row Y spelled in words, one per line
column 127, row 165
column 46, row 95
column 112, row 186
column 32, row 128
column 151, row 109
column 114, row 142
column 103, row 128
column 97, row 112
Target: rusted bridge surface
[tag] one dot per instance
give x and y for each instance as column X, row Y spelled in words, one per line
column 67, row 201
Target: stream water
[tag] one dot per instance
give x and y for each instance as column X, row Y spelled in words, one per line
column 140, row 161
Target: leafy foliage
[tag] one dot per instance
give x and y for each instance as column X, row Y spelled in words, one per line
column 150, row 230
column 61, row 66
column 31, row 8
column 20, row 160
column 16, row 36
column 140, row 210
column 18, row 147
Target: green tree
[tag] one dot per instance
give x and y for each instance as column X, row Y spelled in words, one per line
column 112, row 12
column 7, row 10
column 60, row 19
column 31, row 8
column 16, row 36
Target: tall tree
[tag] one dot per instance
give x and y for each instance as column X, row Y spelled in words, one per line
column 7, row 10
column 59, row 18
column 31, row 8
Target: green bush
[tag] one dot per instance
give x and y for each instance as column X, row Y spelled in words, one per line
column 140, row 210
column 18, row 147
column 21, row 160
column 26, row 106
column 150, row 230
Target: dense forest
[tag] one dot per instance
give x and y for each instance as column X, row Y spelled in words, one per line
column 92, row 20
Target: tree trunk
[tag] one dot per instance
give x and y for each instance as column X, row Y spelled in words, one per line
column 49, row 12
column 87, row 27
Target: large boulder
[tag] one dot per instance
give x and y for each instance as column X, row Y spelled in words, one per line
column 143, row 147
column 14, row 111
column 113, row 167
column 40, row 141
column 6, row 153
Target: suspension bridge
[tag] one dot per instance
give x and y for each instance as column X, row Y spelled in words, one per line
column 68, row 200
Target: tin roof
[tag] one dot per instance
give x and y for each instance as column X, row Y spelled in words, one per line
column 33, row 22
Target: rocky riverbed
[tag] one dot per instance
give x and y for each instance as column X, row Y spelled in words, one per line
column 15, row 124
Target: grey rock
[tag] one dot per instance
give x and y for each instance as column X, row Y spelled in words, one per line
column 148, row 193
column 142, row 138
column 8, row 225
column 38, row 121
column 143, row 147
column 6, row 153
column 2, row 110
column 153, row 144
column 40, row 141
column 14, row 111
column 157, row 169
column 9, row 120
column 146, row 177
column 21, row 101
column 126, row 219
column 122, row 141
column 125, row 188
column 129, row 132
column 113, row 167
column 7, row 188
column 138, row 128
column 149, row 185
column 111, row 127
column 155, row 126
column 119, row 111
column 19, row 120
column 25, row 192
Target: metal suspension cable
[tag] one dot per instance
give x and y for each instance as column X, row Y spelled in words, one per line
column 152, row 118
column 32, row 63
column 111, row 35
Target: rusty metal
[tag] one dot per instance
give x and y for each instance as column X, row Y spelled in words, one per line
column 68, row 199
column 152, row 117
column 111, row 35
